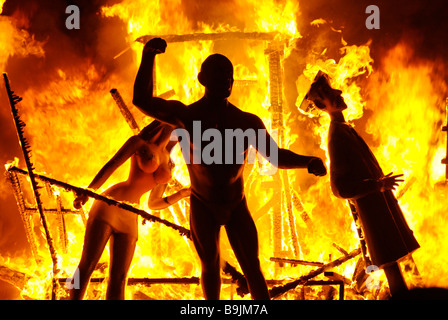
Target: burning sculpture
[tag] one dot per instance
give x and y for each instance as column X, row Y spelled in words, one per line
column 300, row 223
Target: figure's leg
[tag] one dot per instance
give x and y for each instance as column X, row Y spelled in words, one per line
column 95, row 239
column 205, row 236
column 395, row 278
column 122, row 247
column 243, row 238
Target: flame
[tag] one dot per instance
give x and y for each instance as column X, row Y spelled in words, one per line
column 409, row 106
column 75, row 128
column 355, row 61
column 17, row 42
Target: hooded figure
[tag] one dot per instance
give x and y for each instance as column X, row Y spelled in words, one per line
column 356, row 175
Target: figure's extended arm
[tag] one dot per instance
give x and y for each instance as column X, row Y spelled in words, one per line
column 156, row 200
column 284, row 158
column 124, row 153
column 169, row 111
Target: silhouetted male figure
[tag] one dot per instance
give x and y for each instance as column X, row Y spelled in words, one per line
column 217, row 189
column 356, row 175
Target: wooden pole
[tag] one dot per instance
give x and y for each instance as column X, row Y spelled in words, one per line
column 260, row 36
column 13, row 101
column 445, row 129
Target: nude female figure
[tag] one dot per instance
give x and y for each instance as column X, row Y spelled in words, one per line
column 150, row 170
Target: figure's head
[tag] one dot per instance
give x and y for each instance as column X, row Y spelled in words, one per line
column 324, row 96
column 157, row 135
column 216, row 76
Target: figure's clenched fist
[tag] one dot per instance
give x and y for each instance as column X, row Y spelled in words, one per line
column 316, row 166
column 155, row 45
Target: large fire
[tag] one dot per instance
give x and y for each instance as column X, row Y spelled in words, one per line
column 74, row 127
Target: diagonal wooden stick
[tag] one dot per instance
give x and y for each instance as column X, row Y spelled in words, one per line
column 26, row 149
column 123, row 205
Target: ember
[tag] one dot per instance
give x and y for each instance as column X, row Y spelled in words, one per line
column 76, row 86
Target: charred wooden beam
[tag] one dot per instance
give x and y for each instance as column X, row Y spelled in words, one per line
column 238, row 83
column 297, row 202
column 274, row 53
column 26, row 149
column 168, row 94
column 340, row 249
column 63, row 238
column 14, row 277
column 291, row 218
column 60, row 218
column 151, row 281
column 23, row 211
column 54, row 210
column 260, row 36
column 125, row 111
column 361, row 238
column 296, row 261
column 279, row 290
column 445, row 129
column 146, row 281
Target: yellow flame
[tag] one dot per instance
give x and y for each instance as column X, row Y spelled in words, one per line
column 409, row 109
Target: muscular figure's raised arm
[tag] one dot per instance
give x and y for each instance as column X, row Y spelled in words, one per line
column 168, row 111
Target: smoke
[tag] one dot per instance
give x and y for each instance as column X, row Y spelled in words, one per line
column 35, row 46
column 96, row 42
column 417, row 25
column 421, row 24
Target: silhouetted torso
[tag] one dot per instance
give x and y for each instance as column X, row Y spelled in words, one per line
column 217, row 183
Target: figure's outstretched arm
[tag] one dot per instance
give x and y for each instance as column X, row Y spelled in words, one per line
column 124, row 153
column 157, row 201
column 168, row 111
column 284, row 158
